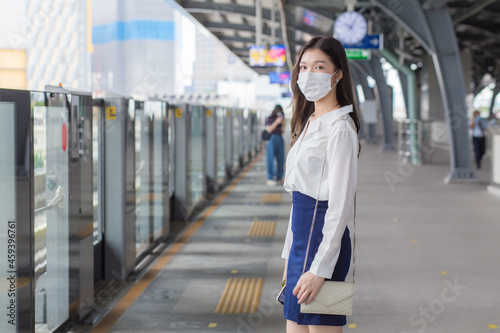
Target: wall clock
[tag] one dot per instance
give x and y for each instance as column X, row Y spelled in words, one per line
column 350, row 28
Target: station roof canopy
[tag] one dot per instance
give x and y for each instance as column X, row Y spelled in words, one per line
column 294, row 22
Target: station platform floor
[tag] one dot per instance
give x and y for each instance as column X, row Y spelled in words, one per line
column 427, row 258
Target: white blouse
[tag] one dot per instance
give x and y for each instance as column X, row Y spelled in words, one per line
column 334, row 134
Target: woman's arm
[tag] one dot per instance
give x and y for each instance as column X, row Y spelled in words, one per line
column 284, row 272
column 288, row 243
column 342, row 163
column 288, row 239
column 271, row 127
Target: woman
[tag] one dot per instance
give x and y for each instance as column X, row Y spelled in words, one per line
column 275, row 146
column 325, row 124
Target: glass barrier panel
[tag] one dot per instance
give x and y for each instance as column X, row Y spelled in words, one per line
column 262, row 123
column 236, row 139
column 246, row 136
column 171, row 151
column 196, row 154
column 253, row 132
column 142, row 179
column 97, row 144
column 156, row 109
column 51, row 248
column 220, row 143
column 8, row 264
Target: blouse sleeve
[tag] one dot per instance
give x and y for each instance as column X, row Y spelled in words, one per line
column 342, row 164
column 288, row 239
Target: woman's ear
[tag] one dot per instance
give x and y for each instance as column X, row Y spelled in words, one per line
column 339, row 75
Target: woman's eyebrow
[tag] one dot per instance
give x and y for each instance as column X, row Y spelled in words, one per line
column 321, row 61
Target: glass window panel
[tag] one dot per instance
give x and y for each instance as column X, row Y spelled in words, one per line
column 253, row 130
column 50, row 130
column 171, row 152
column 97, row 169
column 246, row 141
column 7, row 213
column 196, row 154
column 236, row 139
column 156, row 109
column 221, row 144
column 142, row 180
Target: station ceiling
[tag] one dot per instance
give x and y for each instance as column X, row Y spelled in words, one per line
column 294, row 22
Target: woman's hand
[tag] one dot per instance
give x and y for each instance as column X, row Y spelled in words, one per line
column 307, row 287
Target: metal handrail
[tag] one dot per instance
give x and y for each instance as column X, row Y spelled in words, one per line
column 56, row 200
column 410, row 140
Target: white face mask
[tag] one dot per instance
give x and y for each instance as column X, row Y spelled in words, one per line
column 315, row 86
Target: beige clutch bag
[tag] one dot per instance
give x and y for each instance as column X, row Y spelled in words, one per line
column 333, row 298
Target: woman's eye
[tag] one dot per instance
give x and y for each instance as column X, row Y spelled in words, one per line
column 319, row 67
column 302, row 67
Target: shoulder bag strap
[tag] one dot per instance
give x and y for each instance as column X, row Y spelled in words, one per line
column 314, row 219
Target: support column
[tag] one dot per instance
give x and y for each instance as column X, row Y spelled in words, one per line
column 385, row 99
column 364, row 71
column 286, row 20
column 356, row 82
column 452, row 86
column 431, row 106
column 404, row 88
column 410, row 101
column 496, row 91
column 434, row 30
column 258, row 23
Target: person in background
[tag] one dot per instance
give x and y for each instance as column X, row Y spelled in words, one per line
column 478, row 127
column 275, row 150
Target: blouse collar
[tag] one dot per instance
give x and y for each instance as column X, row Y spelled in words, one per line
column 328, row 118
column 332, row 116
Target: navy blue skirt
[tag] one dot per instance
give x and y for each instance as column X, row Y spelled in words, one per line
column 302, row 214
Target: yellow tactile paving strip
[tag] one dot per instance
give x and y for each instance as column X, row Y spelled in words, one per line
column 262, row 229
column 272, row 198
column 241, row 295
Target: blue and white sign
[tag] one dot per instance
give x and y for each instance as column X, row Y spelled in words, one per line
column 369, row 42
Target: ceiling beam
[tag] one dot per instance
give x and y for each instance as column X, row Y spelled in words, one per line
column 324, row 3
column 224, row 8
column 214, row 26
column 484, row 51
column 239, row 50
column 310, row 30
column 434, row 4
column 478, row 30
column 229, row 39
column 407, row 55
column 471, row 11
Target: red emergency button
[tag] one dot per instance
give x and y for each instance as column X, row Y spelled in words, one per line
column 64, row 137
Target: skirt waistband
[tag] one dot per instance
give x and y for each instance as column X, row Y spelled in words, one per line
column 304, row 198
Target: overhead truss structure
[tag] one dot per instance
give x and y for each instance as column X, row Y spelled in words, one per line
column 411, row 28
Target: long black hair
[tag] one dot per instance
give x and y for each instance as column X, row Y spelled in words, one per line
column 277, row 112
column 302, row 108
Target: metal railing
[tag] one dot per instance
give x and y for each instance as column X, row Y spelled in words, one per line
column 410, row 140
